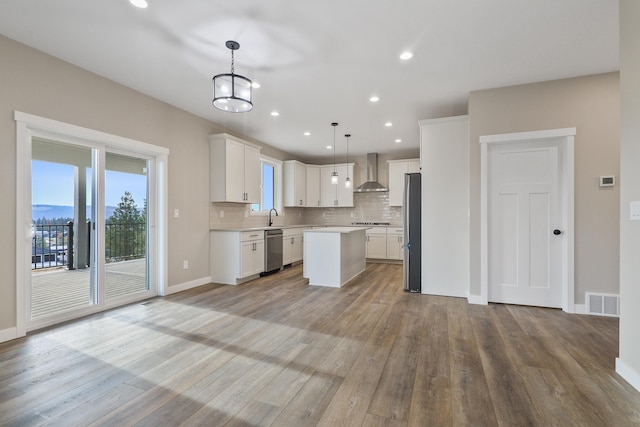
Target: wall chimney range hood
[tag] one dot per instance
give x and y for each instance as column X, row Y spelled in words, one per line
column 372, row 184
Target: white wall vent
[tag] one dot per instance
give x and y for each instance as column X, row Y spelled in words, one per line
column 603, row 304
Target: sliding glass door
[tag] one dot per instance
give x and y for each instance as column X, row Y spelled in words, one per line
column 126, row 222
column 91, row 210
column 62, row 256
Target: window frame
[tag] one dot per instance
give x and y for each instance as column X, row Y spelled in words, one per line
column 277, row 185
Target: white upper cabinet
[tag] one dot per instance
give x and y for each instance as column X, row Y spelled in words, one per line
column 335, row 195
column 234, row 170
column 397, row 169
column 295, row 184
column 313, row 186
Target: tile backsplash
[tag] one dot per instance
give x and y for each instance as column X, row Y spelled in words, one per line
column 370, row 207
column 373, row 207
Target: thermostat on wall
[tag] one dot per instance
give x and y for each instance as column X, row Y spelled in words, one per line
column 607, row 181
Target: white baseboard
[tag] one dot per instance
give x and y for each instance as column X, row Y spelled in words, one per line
column 626, row 372
column 8, row 334
column 476, row 299
column 580, row 308
column 187, row 285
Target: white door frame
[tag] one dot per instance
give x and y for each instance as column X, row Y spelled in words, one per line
column 29, row 126
column 565, row 138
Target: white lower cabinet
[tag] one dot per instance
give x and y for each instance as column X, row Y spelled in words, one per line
column 385, row 243
column 236, row 256
column 251, row 258
column 376, row 243
column 395, row 244
column 292, row 245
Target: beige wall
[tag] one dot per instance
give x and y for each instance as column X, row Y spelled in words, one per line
column 630, row 188
column 36, row 83
column 591, row 104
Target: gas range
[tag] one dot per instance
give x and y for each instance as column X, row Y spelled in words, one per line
column 370, row 223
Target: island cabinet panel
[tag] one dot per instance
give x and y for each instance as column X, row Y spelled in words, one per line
column 333, row 255
column 397, row 169
column 313, row 186
column 295, row 184
column 236, row 256
column 234, row 170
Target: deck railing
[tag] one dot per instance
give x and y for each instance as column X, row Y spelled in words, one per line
column 52, row 245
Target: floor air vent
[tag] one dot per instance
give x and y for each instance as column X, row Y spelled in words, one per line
column 603, row 304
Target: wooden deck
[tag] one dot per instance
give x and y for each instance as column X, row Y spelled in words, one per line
column 277, row 352
column 58, row 290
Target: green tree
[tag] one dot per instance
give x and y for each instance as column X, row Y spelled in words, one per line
column 125, row 231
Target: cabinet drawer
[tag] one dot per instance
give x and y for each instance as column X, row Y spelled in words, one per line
column 391, row 230
column 251, row 235
column 376, row 230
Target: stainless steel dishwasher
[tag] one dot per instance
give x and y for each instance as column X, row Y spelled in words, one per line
column 272, row 250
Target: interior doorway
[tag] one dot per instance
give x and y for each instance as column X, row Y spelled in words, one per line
column 527, row 218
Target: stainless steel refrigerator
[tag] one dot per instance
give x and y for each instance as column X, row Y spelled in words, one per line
column 411, row 214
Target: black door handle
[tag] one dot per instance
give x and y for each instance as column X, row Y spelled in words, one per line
column 557, row 232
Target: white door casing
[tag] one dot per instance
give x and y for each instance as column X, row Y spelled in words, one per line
column 524, row 253
column 561, row 246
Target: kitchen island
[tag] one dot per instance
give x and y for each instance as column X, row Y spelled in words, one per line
column 333, row 255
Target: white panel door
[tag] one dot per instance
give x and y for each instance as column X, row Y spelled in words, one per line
column 525, row 256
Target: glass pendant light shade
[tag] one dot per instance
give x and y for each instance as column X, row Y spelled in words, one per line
column 232, row 92
column 347, row 181
column 334, row 174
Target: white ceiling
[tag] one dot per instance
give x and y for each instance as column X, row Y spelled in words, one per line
column 320, row 61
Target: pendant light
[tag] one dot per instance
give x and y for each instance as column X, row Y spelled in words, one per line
column 232, row 92
column 334, row 174
column 347, row 181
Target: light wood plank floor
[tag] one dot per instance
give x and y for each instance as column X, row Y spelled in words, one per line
column 276, row 352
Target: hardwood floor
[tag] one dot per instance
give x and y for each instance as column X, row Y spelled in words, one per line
column 276, row 352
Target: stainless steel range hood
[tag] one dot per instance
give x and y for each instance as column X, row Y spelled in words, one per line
column 372, row 183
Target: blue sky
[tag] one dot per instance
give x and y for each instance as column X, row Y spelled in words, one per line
column 52, row 184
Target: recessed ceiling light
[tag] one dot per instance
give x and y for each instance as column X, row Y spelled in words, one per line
column 142, row 4
column 275, row 113
column 374, row 99
column 255, row 85
column 388, row 124
column 329, row 147
column 307, row 133
column 398, row 141
column 406, row 55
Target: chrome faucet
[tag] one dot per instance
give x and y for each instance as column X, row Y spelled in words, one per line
column 271, row 222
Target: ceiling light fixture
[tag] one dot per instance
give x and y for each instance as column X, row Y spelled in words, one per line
column 406, row 55
column 388, row 124
column 142, row 4
column 275, row 113
column 347, row 181
column 398, row 141
column 232, row 92
column 307, row 133
column 334, row 174
column 374, row 99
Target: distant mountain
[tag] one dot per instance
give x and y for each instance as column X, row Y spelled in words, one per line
column 54, row 211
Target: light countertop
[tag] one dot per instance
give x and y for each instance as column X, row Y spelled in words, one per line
column 343, row 230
